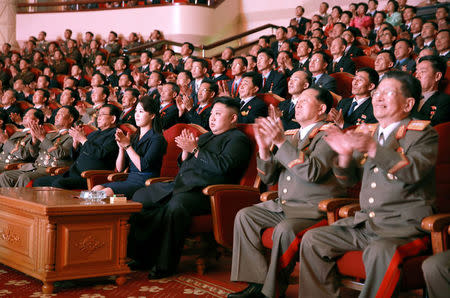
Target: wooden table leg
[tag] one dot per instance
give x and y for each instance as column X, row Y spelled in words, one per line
column 47, row 288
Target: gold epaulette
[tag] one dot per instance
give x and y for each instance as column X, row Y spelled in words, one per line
column 291, row 132
column 418, row 125
column 372, row 127
column 325, row 126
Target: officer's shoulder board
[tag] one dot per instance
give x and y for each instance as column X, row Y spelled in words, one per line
column 417, row 125
column 316, row 130
column 372, row 127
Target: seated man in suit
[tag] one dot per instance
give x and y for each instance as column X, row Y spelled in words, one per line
column 199, row 71
column 302, row 182
column 97, row 151
column 145, row 58
column 50, row 149
column 351, row 50
column 396, row 160
column 357, row 110
column 129, row 101
column 200, row 113
column 304, row 50
column 402, row 50
column 300, row 81
column 9, row 105
column 238, row 68
column 252, row 107
column 168, row 108
column 157, row 233
column 219, row 69
column 272, row 81
column 18, row 147
column 318, row 66
column 187, row 49
column 384, row 62
column 442, row 42
column 340, row 63
column 154, row 81
column 125, row 81
column 434, row 104
column 280, row 36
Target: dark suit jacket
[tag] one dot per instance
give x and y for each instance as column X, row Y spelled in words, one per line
column 303, row 66
column 327, row 82
column 128, row 117
column 146, row 70
column 302, row 25
column 168, row 67
column 408, row 65
column 363, row 114
column 288, row 109
column 276, row 82
column 436, row 109
column 344, row 65
column 274, row 48
column 14, row 108
column 233, row 93
column 253, row 109
column 98, row 153
column 169, row 115
column 354, row 51
column 222, row 77
column 196, row 116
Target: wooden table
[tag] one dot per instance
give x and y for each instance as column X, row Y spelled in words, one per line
column 51, row 235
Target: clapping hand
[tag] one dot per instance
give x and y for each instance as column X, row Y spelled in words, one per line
column 77, row 135
column 37, row 132
column 16, row 118
column 186, row 141
column 336, row 117
column 122, row 139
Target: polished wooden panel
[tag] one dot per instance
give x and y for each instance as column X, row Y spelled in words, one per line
column 52, row 235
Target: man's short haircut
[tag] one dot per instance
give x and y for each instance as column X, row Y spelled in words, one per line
column 149, row 54
column 396, row 5
column 373, row 75
column 282, row 28
column 105, row 90
column 443, row 30
column 287, row 53
column 265, row 38
column 410, row 86
column 26, row 60
column 436, row 27
column 202, row 61
column 326, row 4
column 90, row 33
column 47, row 78
column 444, row 7
column 256, row 78
column 70, row 30
column 344, row 42
column 324, row 96
column 268, row 52
column 159, row 61
column 102, row 76
column 408, row 42
column 73, row 93
column 124, row 59
column 308, row 75
column 72, row 111
column 38, row 114
column 101, row 54
column 161, row 76
column 223, row 62
column 113, row 111
column 134, row 92
column 251, row 57
column 175, row 87
column 188, row 74
column 437, row 63
column 419, row 18
column 308, row 43
column 390, row 55
column 170, row 50
column 382, row 13
column 413, row 8
column 129, row 76
column 243, row 59
column 339, row 24
column 324, row 55
column 13, row 92
column 74, row 80
column 113, row 33
column 391, row 30
column 190, row 45
column 376, row 1
column 212, row 85
column 320, row 30
column 229, row 103
column 45, row 93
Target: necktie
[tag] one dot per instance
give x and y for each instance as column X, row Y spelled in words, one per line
column 264, row 82
column 381, row 139
column 314, row 80
column 352, row 108
column 291, row 107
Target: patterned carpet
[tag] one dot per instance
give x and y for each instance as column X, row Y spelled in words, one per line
column 17, row 284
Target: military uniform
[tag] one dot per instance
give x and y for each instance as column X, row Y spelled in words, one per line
column 303, row 171
column 16, row 149
column 54, row 151
column 398, row 189
column 436, row 270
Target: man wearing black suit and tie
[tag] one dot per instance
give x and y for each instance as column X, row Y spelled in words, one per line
column 238, row 68
column 304, row 50
column 340, row 62
column 157, row 233
column 351, row 50
column 186, row 51
column 272, row 81
column 199, row 71
column 357, row 110
column 129, row 100
column 301, row 21
column 402, row 50
column 156, row 79
column 318, row 66
column 251, row 107
column 94, row 152
column 168, row 108
column 434, row 105
column 145, row 59
column 280, row 36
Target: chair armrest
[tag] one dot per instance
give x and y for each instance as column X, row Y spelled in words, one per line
column 95, row 177
column 332, row 206
column 226, row 201
column 14, row 166
column 158, row 179
column 349, row 210
column 61, row 170
column 268, row 196
column 438, row 225
column 117, row 177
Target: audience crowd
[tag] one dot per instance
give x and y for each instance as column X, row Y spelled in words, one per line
column 72, row 102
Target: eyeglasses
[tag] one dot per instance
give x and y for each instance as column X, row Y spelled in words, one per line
column 385, row 93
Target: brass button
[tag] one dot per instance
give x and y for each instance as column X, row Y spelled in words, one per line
column 390, row 176
column 288, row 178
column 284, row 190
column 375, row 170
column 372, row 214
column 371, row 200
column 373, row 185
column 283, row 202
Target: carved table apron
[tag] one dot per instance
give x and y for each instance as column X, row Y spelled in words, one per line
column 51, row 235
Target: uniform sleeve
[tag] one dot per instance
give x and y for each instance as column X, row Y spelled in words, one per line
column 268, row 170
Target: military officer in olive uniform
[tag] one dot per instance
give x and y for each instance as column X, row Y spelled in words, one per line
column 302, row 168
column 54, row 150
column 18, row 147
column 397, row 160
